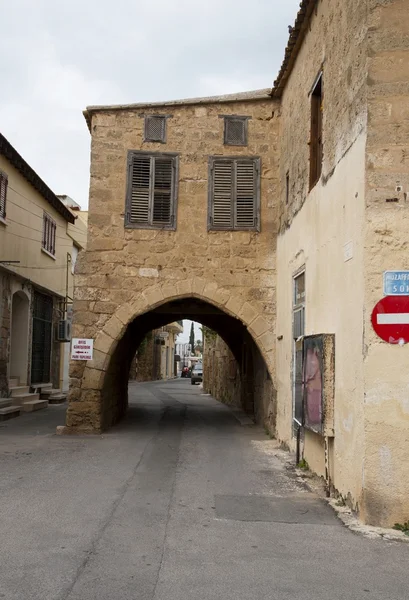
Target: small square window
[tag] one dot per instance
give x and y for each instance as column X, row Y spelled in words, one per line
column 235, row 131
column 155, row 129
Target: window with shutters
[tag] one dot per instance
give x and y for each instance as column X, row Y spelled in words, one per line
column 155, row 128
column 49, row 234
column 298, row 333
column 316, row 153
column 3, row 194
column 234, row 193
column 152, row 190
column 235, row 131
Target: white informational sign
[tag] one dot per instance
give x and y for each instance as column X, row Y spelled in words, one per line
column 82, row 349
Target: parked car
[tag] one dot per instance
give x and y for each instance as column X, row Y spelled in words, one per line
column 197, row 374
column 185, row 372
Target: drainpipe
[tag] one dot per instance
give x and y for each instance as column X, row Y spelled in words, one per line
column 327, row 469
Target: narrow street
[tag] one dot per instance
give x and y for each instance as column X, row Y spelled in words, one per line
column 178, row 501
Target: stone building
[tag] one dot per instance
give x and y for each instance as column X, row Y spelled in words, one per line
column 155, row 357
column 39, row 241
column 290, row 203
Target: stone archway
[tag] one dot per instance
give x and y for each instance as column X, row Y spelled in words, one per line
column 20, row 318
column 98, row 388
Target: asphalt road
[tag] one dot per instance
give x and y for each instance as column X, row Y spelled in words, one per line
column 178, row 502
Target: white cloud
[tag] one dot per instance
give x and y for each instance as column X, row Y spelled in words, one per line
column 57, row 58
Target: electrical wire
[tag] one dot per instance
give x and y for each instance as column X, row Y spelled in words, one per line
column 35, row 203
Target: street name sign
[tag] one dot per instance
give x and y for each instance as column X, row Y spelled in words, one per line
column 390, row 319
column 82, row 349
column 396, row 283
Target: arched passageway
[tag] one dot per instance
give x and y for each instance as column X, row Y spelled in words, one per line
column 19, row 337
column 102, row 386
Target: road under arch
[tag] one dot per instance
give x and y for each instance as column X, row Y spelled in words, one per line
column 103, row 391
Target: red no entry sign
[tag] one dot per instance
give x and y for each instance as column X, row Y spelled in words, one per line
column 390, row 319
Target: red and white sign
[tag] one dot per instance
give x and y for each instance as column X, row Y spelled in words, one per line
column 390, row 319
column 82, row 349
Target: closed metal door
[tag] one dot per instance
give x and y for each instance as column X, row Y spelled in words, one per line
column 42, row 332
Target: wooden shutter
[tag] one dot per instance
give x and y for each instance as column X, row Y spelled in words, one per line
column 316, row 154
column 3, row 194
column 222, row 197
column 162, row 191
column 246, row 194
column 155, row 129
column 234, row 189
column 235, row 131
column 140, row 189
column 49, row 233
column 152, row 184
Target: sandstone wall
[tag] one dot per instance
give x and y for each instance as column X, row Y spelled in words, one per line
column 322, row 229
column 221, row 374
column 336, row 44
column 385, row 467
column 247, row 386
column 125, row 272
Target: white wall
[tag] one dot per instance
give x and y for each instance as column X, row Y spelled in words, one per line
column 332, row 216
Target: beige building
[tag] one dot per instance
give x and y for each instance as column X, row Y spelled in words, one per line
column 291, row 204
column 39, row 242
column 156, row 356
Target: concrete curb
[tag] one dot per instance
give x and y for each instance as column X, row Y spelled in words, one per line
column 241, row 417
column 349, row 520
column 346, row 515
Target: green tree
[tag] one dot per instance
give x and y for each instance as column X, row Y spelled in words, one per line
column 192, row 338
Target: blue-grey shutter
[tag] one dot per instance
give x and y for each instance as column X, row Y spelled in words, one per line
column 3, row 194
column 222, row 197
column 245, row 193
column 140, row 186
column 162, row 191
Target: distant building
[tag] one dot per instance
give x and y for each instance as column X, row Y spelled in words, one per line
column 156, row 357
column 40, row 238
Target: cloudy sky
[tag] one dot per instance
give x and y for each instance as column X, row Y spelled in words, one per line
column 58, row 57
column 184, row 337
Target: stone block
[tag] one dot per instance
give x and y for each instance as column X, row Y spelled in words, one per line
column 169, row 291
column 267, row 340
column 259, row 326
column 114, row 328
column 209, row 290
column 184, row 288
column 77, row 368
column 235, row 304
column 105, row 244
column 153, row 296
column 221, row 296
column 248, row 313
column 125, row 313
column 92, row 379
column 100, row 361
column 104, row 343
column 105, row 307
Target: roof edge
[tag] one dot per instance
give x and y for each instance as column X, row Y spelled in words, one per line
column 250, row 96
column 11, row 154
column 295, row 40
